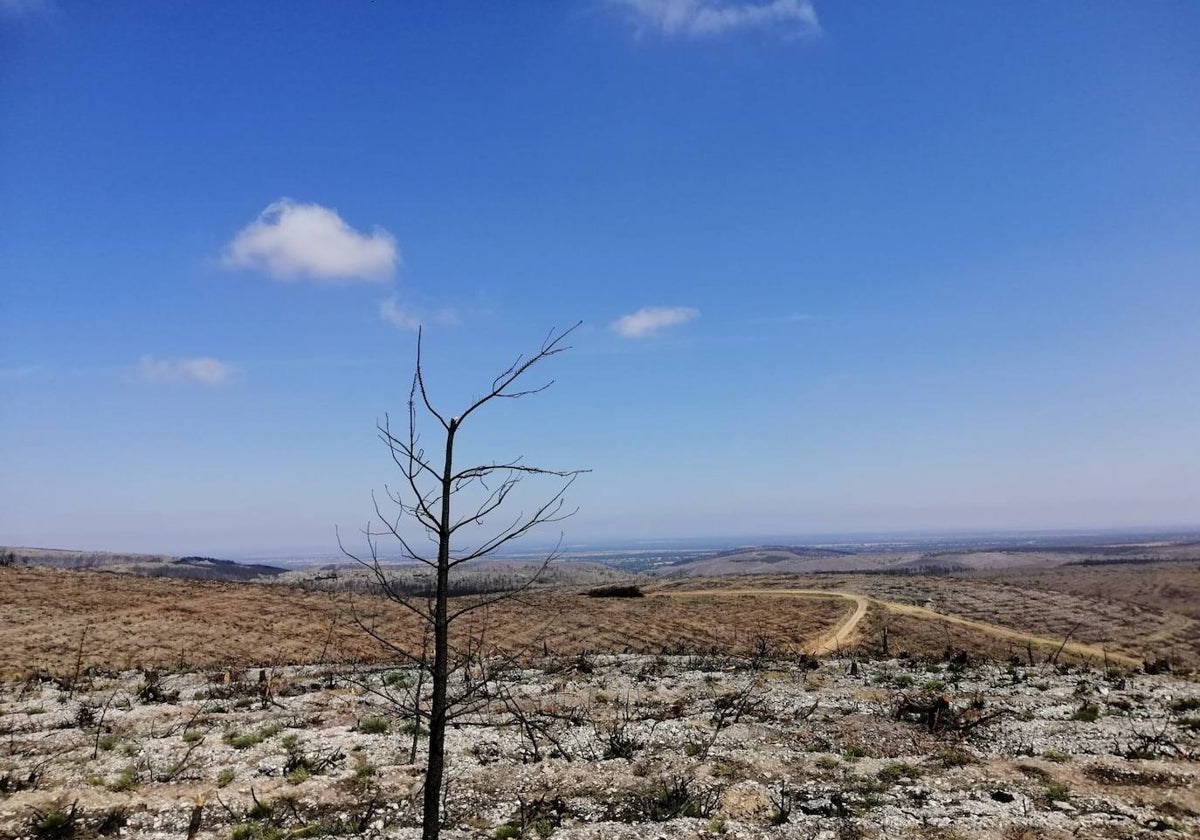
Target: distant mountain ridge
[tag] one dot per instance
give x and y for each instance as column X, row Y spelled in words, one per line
column 147, row 565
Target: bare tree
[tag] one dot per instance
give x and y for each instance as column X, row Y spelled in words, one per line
column 446, row 504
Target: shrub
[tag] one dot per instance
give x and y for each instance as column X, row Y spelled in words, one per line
column 893, row 773
column 676, row 798
column 225, row 777
column 397, row 679
column 374, row 725
column 257, row 831
column 1086, row 713
column 106, row 742
column 616, row 592
column 1058, row 792
column 244, row 740
column 55, row 824
column 125, row 780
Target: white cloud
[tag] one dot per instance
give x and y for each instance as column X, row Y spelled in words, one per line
column 291, row 241
column 204, row 370
column 407, row 318
column 652, row 319
column 712, row 18
column 390, row 311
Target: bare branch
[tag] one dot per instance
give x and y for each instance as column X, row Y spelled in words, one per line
column 552, row 346
column 419, row 384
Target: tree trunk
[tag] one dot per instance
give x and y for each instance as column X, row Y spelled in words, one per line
column 436, row 764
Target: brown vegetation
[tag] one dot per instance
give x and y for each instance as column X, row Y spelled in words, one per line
column 130, row 622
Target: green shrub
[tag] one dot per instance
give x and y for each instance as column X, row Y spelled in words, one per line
column 55, row 824
column 1058, row 792
column 893, row 773
column 244, row 740
column 257, row 831
column 1086, row 713
column 225, row 777
column 125, row 780
column 374, row 725
column 363, row 769
column 106, row 742
column 397, row 679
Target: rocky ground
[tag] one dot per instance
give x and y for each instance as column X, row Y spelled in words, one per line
column 612, row 747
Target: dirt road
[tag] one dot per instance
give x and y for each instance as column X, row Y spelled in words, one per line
column 843, row 633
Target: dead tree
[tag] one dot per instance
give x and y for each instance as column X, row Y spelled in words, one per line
column 446, row 504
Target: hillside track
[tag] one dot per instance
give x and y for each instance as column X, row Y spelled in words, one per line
column 844, row 632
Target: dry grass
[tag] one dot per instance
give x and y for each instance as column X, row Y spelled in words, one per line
column 1117, row 624
column 132, row 622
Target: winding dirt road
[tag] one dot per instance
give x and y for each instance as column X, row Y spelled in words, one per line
column 843, row 632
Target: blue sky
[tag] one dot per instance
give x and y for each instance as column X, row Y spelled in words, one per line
column 841, row 267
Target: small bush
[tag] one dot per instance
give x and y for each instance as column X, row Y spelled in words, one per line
column 1087, row 713
column 257, row 831
column 374, row 725
column 949, row 757
column 106, row 742
column 893, row 773
column 397, row 679
column 245, row 740
column 125, row 780
column 226, row 776
column 363, row 769
column 54, row 825
column 616, row 592
column 676, row 798
column 1058, row 792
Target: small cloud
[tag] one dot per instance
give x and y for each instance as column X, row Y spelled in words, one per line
column 713, row 18
column 390, row 311
column 652, row 319
column 292, row 241
column 406, row 318
column 203, row 370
